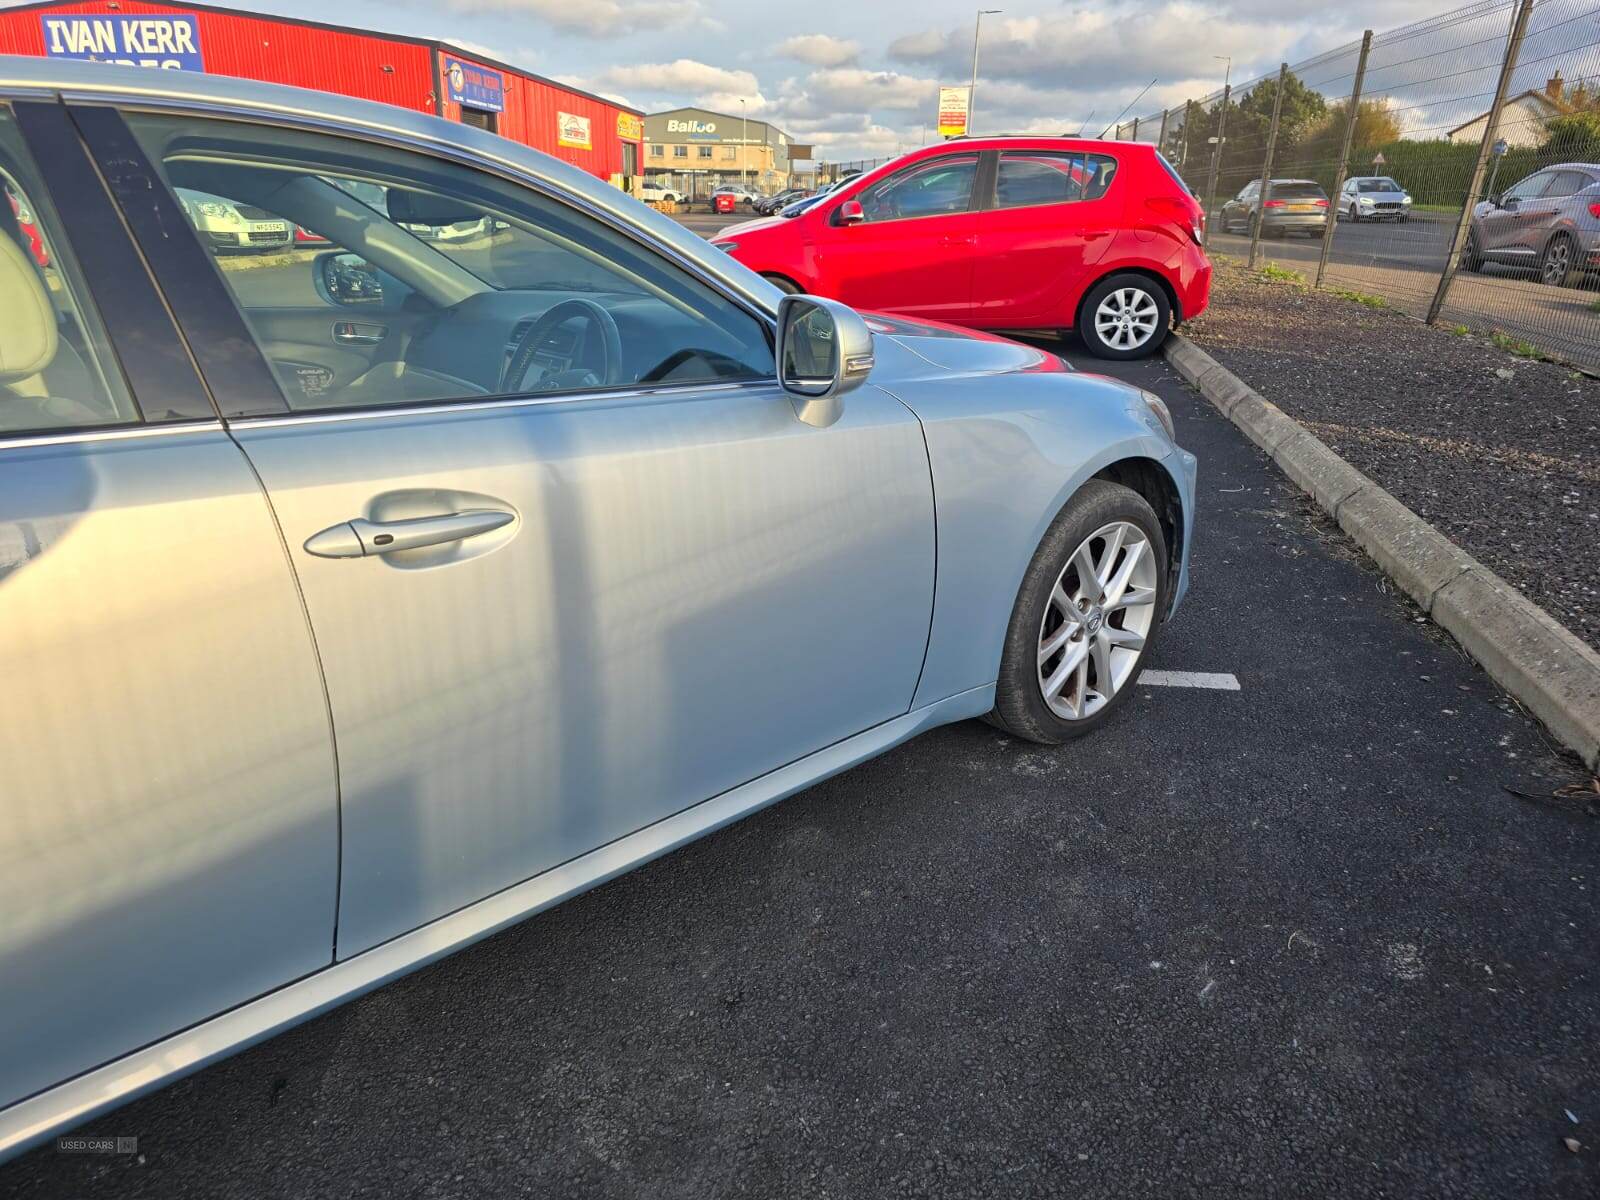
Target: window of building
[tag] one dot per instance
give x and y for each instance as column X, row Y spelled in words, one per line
column 680, row 152
column 658, row 151
column 705, row 151
column 730, row 153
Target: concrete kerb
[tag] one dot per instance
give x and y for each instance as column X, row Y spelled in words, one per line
column 1524, row 649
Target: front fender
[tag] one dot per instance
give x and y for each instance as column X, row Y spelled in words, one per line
column 1007, row 453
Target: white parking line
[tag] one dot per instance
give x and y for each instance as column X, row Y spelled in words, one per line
column 1194, row 679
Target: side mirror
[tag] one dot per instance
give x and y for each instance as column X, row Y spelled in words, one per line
column 850, row 213
column 347, row 279
column 824, row 351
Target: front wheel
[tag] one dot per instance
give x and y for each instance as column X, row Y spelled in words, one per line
column 1125, row 316
column 1471, row 255
column 1085, row 618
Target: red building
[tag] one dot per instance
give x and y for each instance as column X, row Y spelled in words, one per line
column 428, row 76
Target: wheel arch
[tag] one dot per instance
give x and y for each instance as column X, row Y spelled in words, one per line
column 1130, row 269
column 1151, row 480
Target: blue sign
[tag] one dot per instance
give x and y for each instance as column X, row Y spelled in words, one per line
column 476, row 87
column 136, row 41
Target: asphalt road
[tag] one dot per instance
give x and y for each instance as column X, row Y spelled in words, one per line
column 1296, row 939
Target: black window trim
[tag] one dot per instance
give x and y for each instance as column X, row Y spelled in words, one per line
column 146, row 340
column 280, row 410
column 231, row 362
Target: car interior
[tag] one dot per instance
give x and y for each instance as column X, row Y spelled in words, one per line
column 431, row 281
column 48, row 376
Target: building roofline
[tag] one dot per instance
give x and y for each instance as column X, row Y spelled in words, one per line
column 1557, row 108
column 437, row 44
column 667, row 112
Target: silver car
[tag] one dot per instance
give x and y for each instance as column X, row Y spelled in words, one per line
column 1373, row 198
column 1548, row 222
column 1290, row 206
column 355, row 606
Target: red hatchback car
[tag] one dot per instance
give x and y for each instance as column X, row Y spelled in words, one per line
column 1002, row 233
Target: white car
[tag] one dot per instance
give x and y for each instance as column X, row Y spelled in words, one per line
column 236, row 228
column 1374, row 198
column 655, row 192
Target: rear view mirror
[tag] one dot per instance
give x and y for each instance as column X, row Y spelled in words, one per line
column 422, row 208
column 824, row 351
column 850, row 213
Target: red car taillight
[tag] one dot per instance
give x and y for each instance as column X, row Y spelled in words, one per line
column 1272, row 204
column 1594, row 209
column 1322, row 204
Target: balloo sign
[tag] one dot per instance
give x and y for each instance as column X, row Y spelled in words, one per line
column 172, row 42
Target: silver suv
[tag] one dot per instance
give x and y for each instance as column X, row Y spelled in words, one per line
column 1549, row 222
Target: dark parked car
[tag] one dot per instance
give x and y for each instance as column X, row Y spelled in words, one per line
column 1549, row 222
column 767, row 205
column 1291, row 206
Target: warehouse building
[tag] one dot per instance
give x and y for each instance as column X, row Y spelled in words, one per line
column 435, row 77
column 694, row 149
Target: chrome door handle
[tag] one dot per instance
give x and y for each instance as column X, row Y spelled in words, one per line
column 361, row 537
column 352, row 333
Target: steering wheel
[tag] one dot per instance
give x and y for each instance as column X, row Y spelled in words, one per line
column 597, row 318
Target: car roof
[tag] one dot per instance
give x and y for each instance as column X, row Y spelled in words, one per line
column 206, row 92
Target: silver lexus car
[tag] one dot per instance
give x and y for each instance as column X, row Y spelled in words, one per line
column 357, row 603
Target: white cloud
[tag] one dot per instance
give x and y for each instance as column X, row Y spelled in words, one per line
column 598, row 18
column 819, row 50
column 683, row 76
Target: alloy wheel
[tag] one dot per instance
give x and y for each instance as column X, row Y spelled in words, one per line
column 1096, row 623
column 1557, row 262
column 1126, row 319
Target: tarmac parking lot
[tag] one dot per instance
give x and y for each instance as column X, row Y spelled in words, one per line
column 1330, row 932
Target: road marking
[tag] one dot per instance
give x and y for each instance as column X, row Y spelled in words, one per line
column 1194, row 679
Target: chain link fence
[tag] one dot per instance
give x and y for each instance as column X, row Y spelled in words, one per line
column 1449, row 168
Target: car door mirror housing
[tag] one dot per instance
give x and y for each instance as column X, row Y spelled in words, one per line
column 825, row 350
column 849, row 213
column 347, row 279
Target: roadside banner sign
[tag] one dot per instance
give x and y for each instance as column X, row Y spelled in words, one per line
column 629, row 127
column 573, row 130
column 953, row 111
column 170, row 40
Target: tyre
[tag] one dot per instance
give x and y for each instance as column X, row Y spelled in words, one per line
column 1558, row 265
column 1124, row 316
column 785, row 285
column 1085, row 618
column 1355, row 215
column 1471, row 255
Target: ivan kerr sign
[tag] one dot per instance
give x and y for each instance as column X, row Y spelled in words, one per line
column 136, row 41
column 953, row 111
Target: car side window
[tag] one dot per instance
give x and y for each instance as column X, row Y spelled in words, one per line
column 1566, row 183
column 57, row 371
column 1028, row 178
column 1533, row 185
column 386, row 276
column 931, row 188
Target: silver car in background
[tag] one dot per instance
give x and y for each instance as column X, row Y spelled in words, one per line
column 358, row 605
column 1548, row 222
column 1373, row 198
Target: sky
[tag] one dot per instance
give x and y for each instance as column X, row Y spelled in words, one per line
column 859, row 78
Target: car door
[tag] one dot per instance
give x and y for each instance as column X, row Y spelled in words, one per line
column 1236, row 213
column 642, row 589
column 1052, row 218
column 913, row 250
column 169, row 841
column 1505, row 225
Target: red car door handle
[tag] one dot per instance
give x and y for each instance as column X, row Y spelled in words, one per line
column 953, row 240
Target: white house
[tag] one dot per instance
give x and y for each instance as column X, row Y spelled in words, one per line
column 1523, row 118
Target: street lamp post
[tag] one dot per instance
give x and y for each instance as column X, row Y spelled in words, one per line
column 744, row 145
column 972, row 91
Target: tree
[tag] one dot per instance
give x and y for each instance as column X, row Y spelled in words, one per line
column 1573, row 138
column 1376, row 125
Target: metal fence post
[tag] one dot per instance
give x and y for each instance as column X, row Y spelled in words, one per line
column 1344, row 155
column 1216, row 159
column 1491, row 130
column 1135, row 136
column 1161, row 137
column 1266, row 167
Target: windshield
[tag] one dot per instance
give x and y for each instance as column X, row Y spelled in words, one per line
column 1377, row 185
column 1294, row 190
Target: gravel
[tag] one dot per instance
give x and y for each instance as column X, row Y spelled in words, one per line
column 1501, row 453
